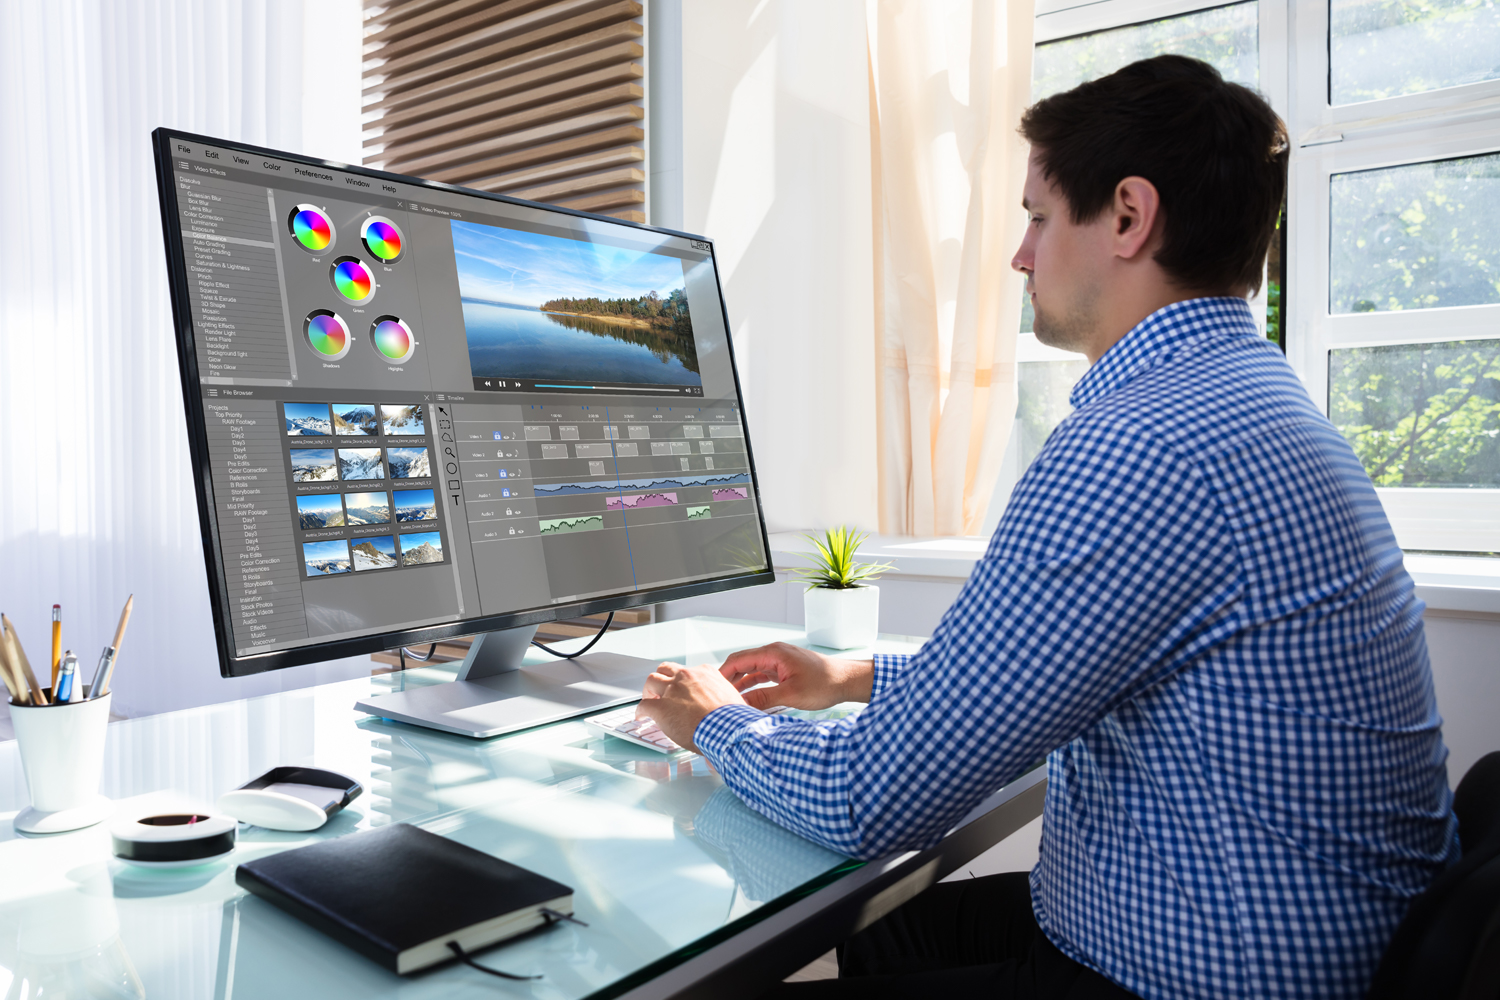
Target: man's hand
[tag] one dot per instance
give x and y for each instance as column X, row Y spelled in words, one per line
column 803, row 678
column 677, row 698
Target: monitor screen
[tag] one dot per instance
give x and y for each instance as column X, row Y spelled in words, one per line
column 419, row 411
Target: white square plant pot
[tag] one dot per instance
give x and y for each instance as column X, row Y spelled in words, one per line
column 841, row 619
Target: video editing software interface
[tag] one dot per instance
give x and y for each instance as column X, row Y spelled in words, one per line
column 424, row 406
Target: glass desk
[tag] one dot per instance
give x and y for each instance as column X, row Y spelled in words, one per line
column 682, row 886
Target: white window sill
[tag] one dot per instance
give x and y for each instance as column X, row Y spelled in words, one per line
column 946, row 559
column 1461, row 585
column 1464, row 585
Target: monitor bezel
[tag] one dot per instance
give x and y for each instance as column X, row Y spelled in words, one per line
column 233, row 665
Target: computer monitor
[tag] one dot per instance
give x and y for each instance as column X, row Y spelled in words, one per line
column 418, row 411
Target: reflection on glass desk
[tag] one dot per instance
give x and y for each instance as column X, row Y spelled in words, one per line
column 663, row 859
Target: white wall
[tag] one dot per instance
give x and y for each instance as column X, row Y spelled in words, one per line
column 776, row 170
column 96, row 499
column 1466, row 673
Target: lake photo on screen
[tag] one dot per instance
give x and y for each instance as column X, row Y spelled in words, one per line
column 545, row 307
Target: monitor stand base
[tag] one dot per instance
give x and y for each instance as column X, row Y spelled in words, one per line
column 495, row 693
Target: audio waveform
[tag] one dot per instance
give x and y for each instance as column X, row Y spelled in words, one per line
column 641, row 500
column 733, row 493
column 566, row 525
column 699, row 513
column 675, row 482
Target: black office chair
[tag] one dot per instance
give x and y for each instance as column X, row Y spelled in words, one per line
column 1448, row 944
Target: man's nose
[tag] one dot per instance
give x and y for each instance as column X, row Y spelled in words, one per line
column 1024, row 258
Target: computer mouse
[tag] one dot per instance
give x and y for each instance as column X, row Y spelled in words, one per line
column 295, row 799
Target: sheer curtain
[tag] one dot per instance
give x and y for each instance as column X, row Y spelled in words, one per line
column 948, row 81
column 96, row 498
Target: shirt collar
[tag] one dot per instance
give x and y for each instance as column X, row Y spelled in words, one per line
column 1156, row 336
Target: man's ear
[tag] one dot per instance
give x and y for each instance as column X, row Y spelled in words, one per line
column 1135, row 212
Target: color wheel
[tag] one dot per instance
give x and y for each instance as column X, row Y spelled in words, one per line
column 393, row 339
column 327, row 334
column 352, row 279
column 382, row 238
column 311, row 228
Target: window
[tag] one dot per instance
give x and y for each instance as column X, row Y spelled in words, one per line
column 1390, row 237
column 1395, row 225
column 1387, row 48
column 1225, row 37
column 1418, row 236
column 1423, row 415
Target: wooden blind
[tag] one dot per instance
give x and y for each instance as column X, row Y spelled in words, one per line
column 537, row 99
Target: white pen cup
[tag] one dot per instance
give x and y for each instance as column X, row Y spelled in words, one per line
column 62, row 754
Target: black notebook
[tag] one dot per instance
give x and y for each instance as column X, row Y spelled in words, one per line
column 399, row 894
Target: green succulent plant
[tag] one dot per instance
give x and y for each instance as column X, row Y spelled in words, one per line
column 834, row 567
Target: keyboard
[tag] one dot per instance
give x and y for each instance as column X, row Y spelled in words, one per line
column 621, row 723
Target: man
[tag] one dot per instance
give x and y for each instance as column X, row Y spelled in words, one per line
column 1194, row 604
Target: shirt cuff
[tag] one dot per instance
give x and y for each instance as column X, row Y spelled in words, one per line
column 721, row 727
column 888, row 667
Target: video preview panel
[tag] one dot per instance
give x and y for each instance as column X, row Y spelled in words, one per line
column 543, row 308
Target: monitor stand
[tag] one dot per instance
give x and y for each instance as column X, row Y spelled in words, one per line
column 495, row 693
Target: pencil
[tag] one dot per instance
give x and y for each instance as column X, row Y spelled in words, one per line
column 18, row 658
column 9, row 675
column 119, row 638
column 56, row 642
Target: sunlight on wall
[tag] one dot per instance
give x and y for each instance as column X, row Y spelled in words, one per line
column 744, row 186
column 776, row 170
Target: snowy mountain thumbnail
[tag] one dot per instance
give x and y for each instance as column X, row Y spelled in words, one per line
column 375, row 553
column 423, row 554
column 313, row 465
column 304, row 419
column 360, row 463
column 304, row 428
column 409, row 463
column 426, row 547
column 326, row 558
column 367, row 508
column 403, row 419
column 415, row 505
column 319, row 510
column 354, row 419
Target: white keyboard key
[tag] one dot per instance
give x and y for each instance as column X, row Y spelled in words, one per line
column 621, row 723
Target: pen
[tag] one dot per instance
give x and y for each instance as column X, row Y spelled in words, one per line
column 101, row 673
column 67, row 676
column 56, row 642
column 19, row 664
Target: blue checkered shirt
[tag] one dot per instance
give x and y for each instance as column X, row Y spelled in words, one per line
column 1195, row 605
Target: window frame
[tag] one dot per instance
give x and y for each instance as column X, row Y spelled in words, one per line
column 1327, row 139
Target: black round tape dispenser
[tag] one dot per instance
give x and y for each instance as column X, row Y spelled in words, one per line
column 174, row 839
column 290, row 798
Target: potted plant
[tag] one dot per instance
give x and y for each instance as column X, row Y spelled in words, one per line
column 841, row 609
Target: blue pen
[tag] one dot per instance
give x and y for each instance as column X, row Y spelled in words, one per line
column 67, row 676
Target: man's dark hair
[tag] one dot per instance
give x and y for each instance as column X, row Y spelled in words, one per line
column 1215, row 151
